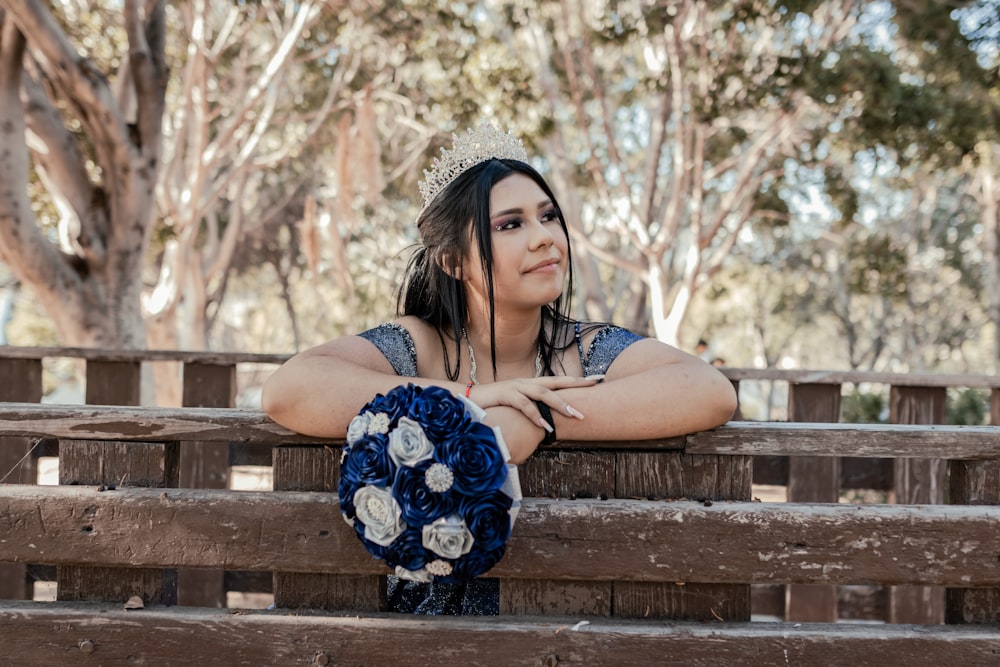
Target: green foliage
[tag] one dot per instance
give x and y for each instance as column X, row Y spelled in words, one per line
column 863, row 407
column 968, row 406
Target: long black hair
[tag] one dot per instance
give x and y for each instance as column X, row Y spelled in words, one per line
column 430, row 293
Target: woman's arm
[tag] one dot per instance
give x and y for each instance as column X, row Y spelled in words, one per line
column 651, row 390
column 319, row 391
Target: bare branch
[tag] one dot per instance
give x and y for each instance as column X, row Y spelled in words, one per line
column 23, row 247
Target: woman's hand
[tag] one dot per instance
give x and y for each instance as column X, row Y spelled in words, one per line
column 522, row 394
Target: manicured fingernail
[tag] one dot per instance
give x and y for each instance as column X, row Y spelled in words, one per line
column 598, row 378
column 544, row 424
column 573, row 412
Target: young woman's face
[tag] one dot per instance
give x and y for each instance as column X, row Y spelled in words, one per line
column 529, row 247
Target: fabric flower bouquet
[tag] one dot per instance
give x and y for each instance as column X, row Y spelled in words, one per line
column 427, row 485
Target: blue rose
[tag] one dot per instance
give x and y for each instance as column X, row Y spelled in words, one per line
column 407, row 550
column 368, row 462
column 475, row 459
column 375, row 550
column 440, row 413
column 395, row 403
column 471, row 565
column 346, row 488
column 488, row 519
column 419, row 503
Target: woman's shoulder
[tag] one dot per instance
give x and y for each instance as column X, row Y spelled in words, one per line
column 600, row 343
column 403, row 340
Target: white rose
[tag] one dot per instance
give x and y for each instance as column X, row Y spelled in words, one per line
column 448, row 537
column 380, row 513
column 408, row 445
column 358, row 427
column 421, row 575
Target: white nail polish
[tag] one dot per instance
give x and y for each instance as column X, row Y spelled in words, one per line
column 573, row 412
column 544, row 424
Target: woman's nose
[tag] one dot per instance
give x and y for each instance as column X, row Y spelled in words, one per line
column 541, row 235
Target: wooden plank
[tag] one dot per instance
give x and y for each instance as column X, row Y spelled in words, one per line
column 145, row 424
column 918, row 481
column 859, row 440
column 317, row 469
column 20, row 380
column 133, row 356
column 49, row 634
column 805, row 376
column 550, row 473
column 736, row 438
column 802, row 376
column 817, row 480
column 570, row 540
column 974, row 483
column 205, row 465
column 101, row 465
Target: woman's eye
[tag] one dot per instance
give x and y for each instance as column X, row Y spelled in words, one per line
column 550, row 216
column 512, row 223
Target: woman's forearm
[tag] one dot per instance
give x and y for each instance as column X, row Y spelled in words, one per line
column 319, row 392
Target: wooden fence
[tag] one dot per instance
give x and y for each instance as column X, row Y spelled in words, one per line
column 619, row 535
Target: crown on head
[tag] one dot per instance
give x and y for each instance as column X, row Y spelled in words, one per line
column 477, row 145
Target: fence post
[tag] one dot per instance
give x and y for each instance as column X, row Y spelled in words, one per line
column 975, row 483
column 20, row 382
column 317, row 468
column 89, row 462
column 816, row 480
column 205, row 465
column 917, row 481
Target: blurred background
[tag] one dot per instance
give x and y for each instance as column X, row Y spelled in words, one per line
column 796, row 184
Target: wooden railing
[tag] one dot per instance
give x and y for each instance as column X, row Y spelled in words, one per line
column 810, row 473
column 613, row 540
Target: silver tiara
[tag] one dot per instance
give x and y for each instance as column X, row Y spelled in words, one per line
column 478, row 145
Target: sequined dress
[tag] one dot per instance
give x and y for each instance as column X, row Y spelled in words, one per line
column 479, row 597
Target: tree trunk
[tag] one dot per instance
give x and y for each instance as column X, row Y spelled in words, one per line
column 91, row 288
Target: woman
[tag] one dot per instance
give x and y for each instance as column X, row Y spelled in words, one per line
column 484, row 312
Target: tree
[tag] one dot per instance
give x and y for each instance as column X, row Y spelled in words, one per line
column 95, row 144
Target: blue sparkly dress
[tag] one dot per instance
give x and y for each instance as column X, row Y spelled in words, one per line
column 479, row 597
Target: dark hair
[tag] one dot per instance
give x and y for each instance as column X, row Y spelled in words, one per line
column 428, row 292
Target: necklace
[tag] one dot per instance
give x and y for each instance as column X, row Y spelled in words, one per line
column 472, row 360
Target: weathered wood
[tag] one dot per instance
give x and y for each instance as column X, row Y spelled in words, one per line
column 317, row 469
column 800, row 376
column 735, row 438
column 205, row 465
column 103, row 464
column 53, row 634
column 550, row 473
column 974, row 483
column 816, row 480
column 859, row 440
column 577, row 540
column 145, row 424
column 918, row 481
column 133, row 356
column 804, row 376
column 20, row 380
column 114, row 382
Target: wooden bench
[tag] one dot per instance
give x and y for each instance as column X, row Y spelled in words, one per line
column 624, row 553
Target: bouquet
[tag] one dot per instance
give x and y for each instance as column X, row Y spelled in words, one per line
column 427, row 486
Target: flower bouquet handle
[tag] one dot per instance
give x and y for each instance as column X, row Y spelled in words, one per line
column 427, row 486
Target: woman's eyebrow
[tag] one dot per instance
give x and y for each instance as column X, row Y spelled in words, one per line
column 541, row 205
